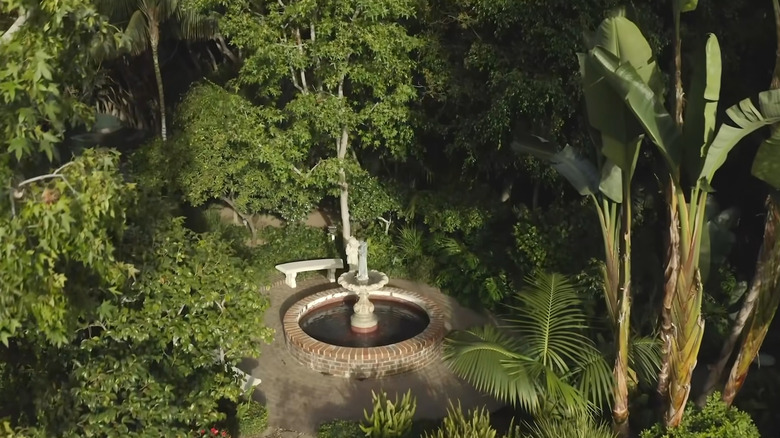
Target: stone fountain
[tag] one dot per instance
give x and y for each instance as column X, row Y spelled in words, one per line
column 364, row 329
column 363, row 282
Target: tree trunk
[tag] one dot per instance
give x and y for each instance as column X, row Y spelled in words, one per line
column 767, row 280
column 716, row 372
column 154, row 39
column 755, row 288
column 346, row 229
column 671, row 272
column 15, row 26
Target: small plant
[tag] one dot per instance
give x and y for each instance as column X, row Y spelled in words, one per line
column 474, row 424
column 252, row 418
column 389, row 419
column 340, row 429
column 715, row 420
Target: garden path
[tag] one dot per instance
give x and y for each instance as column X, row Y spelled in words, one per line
column 299, row 399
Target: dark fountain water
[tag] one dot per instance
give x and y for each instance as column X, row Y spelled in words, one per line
column 396, row 322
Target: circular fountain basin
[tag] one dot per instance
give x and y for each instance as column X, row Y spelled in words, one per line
column 397, row 321
column 409, row 334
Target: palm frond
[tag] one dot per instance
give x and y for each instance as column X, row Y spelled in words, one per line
column 550, row 320
column 193, row 26
column 593, row 376
column 644, row 357
column 135, row 37
column 489, row 360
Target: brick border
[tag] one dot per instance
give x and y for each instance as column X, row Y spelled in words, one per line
column 408, row 355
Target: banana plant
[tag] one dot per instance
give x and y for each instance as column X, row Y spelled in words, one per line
column 693, row 153
column 760, row 303
column 607, row 182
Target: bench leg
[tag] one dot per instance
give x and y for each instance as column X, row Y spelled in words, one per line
column 332, row 275
column 289, row 279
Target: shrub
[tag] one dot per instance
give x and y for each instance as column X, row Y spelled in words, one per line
column 252, row 418
column 389, row 419
column 474, row 424
column 715, row 420
column 340, row 429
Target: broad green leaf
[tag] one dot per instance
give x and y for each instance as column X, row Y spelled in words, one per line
column 766, row 164
column 644, row 103
column 580, row 173
column 702, row 106
column 747, row 119
column 611, row 182
column 621, row 37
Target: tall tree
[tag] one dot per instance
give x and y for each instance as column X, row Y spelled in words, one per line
column 143, row 22
column 340, row 71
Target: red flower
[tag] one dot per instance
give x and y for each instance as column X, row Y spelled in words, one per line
column 224, row 433
column 214, row 430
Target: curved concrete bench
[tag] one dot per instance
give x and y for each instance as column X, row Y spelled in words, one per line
column 291, row 270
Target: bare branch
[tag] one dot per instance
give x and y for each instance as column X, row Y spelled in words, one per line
column 299, row 42
column 6, row 36
column 295, row 81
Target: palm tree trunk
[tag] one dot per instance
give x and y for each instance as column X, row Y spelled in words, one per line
column 154, row 39
column 767, row 280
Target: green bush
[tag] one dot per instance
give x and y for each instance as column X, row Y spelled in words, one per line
column 290, row 243
column 252, row 418
column 340, row 429
column 389, row 419
column 716, row 420
column 474, row 424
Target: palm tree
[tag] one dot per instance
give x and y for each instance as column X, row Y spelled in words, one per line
column 540, row 357
column 143, row 20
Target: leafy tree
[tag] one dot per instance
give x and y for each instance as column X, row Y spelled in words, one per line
column 339, row 72
column 118, row 308
column 226, row 150
column 40, row 98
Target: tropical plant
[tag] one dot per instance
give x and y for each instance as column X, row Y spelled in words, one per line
column 389, row 419
column 694, row 152
column 143, row 22
column 473, row 424
column 608, row 182
column 763, row 297
column 580, row 426
column 539, row 357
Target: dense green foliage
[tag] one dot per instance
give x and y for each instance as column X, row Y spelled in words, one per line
column 715, row 420
column 179, row 301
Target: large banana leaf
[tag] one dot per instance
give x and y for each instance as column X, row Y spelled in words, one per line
column 702, row 107
column 581, row 173
column 766, row 164
column 747, row 119
column 643, row 102
column 605, row 109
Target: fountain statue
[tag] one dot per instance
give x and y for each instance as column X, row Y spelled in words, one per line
column 362, row 282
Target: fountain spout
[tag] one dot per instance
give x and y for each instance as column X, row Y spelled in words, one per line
column 363, row 282
column 362, row 276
